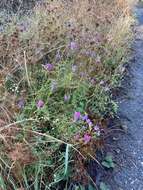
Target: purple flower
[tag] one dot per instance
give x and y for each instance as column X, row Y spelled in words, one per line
column 96, row 128
column 85, row 117
column 83, row 75
column 98, row 60
column 66, row 97
column 73, row 45
column 93, row 54
column 90, row 53
column 40, row 104
column 86, row 138
column 89, row 122
column 98, row 38
column 93, row 81
column 48, row 67
column 77, row 116
column 21, row 103
column 24, row 26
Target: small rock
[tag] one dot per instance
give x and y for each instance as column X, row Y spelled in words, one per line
column 115, row 138
column 124, row 127
column 117, row 150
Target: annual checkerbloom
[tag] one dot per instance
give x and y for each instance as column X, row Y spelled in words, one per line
column 21, row 103
column 48, row 67
column 40, row 104
column 86, row 138
column 85, row 117
column 73, row 45
column 77, row 116
column 89, row 122
column 66, row 97
column 96, row 128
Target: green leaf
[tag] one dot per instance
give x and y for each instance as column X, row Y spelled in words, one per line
column 112, row 165
column 90, row 187
column 103, row 186
column 79, row 187
column 109, row 158
column 108, row 162
column 2, row 183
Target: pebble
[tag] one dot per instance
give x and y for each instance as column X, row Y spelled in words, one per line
column 118, row 151
column 124, row 127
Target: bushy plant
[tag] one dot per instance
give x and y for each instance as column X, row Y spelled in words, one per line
column 57, row 71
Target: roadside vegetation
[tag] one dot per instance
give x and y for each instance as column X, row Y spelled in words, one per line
column 58, row 69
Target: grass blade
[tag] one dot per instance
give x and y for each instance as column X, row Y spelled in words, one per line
column 66, row 159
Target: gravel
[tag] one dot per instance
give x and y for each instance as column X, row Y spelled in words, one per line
column 129, row 173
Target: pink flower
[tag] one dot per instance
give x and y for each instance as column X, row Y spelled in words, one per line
column 93, row 81
column 77, row 116
column 89, row 122
column 48, row 67
column 40, row 104
column 66, row 97
column 86, row 138
column 21, row 103
column 73, row 45
column 96, row 128
column 85, row 117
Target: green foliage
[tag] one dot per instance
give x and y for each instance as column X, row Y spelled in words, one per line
column 90, row 187
column 69, row 64
column 101, row 102
column 2, row 183
column 108, row 162
column 79, row 187
column 103, row 186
